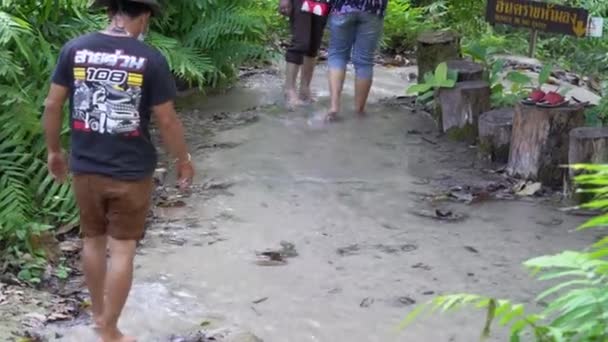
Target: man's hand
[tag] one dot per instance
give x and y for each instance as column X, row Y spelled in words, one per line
column 58, row 166
column 172, row 132
column 56, row 159
column 185, row 174
column 285, row 7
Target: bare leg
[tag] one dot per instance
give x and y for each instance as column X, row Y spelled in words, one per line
column 95, row 264
column 291, row 92
column 308, row 70
column 120, row 278
column 362, row 88
column 336, row 83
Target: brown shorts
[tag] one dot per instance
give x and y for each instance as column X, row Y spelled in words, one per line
column 112, row 207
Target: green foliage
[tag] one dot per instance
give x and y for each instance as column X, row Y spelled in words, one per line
column 586, row 56
column 577, row 307
column 482, row 54
column 205, row 42
column 598, row 115
column 30, row 202
column 520, row 82
column 402, row 24
column 442, row 78
column 545, row 73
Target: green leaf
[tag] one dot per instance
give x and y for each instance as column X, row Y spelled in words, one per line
column 477, row 51
column 518, row 78
column 419, row 88
column 497, row 68
column 516, row 311
column 447, row 84
column 62, row 273
column 452, row 75
column 25, row 275
column 441, row 73
column 429, row 78
column 426, row 97
column 560, row 287
column 600, row 221
column 545, row 73
column 413, row 315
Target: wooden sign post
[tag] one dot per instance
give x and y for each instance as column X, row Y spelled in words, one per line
column 538, row 16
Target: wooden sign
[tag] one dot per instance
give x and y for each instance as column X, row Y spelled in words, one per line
column 539, row 16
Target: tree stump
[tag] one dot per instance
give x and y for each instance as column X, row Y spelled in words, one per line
column 588, row 145
column 460, row 108
column 495, row 129
column 466, row 70
column 540, row 142
column 435, row 48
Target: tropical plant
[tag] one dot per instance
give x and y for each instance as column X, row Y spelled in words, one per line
column 598, row 115
column 577, row 308
column 520, row 82
column 586, row 56
column 30, row 202
column 205, row 42
column 441, row 78
column 402, row 23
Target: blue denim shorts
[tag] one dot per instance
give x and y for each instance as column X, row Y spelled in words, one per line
column 354, row 36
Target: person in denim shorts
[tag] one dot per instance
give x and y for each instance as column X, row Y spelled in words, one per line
column 355, row 28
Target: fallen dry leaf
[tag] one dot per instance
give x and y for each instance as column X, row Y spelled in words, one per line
column 527, row 189
column 70, row 246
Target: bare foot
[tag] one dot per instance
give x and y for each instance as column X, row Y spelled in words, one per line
column 121, row 339
column 307, row 96
column 332, row 116
column 98, row 324
column 293, row 100
column 113, row 335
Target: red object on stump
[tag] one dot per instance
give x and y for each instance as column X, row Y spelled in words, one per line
column 318, row 7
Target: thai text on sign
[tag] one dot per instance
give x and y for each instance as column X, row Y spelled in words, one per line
column 538, row 15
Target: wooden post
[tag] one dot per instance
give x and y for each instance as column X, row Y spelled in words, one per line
column 540, row 142
column 460, row 107
column 466, row 70
column 588, row 145
column 533, row 41
column 435, row 48
column 495, row 130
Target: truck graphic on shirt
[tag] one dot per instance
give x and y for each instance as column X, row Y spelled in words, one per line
column 106, row 108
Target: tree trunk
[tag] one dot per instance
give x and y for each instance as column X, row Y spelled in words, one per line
column 435, row 48
column 460, row 108
column 588, row 145
column 540, row 142
column 495, row 129
column 466, row 70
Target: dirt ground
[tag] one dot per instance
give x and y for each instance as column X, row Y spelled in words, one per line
column 343, row 206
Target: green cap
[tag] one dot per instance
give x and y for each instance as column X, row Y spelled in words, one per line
column 154, row 5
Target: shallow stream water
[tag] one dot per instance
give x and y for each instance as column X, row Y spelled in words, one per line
column 344, row 195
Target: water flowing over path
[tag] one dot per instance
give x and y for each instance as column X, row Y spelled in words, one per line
column 342, row 198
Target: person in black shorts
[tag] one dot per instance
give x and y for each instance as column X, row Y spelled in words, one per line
column 307, row 34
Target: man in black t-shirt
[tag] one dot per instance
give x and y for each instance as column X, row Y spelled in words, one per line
column 114, row 83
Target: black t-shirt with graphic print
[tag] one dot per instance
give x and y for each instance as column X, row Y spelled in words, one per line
column 114, row 82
